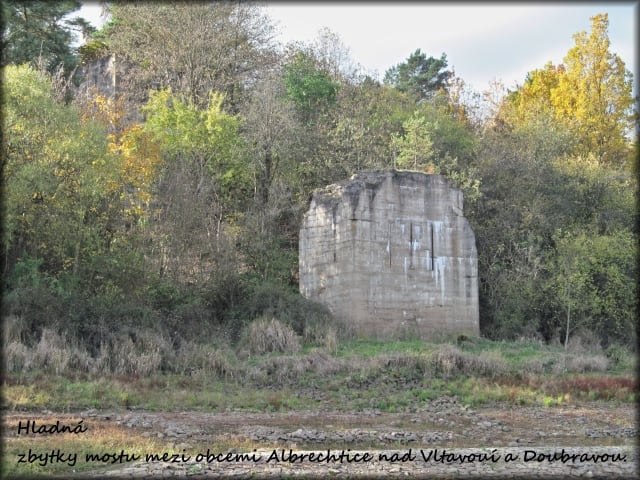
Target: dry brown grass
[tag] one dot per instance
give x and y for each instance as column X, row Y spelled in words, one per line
column 584, row 342
column 325, row 336
column 193, row 358
column 449, row 360
column 147, row 354
column 581, row 363
column 290, row 368
column 268, row 335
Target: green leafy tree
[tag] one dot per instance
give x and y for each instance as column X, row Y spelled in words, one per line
column 600, row 197
column 310, row 88
column 594, row 285
column 419, row 76
column 60, row 180
column 415, row 147
column 37, row 31
column 366, row 119
column 451, row 134
column 202, row 186
column 514, row 220
column 416, row 150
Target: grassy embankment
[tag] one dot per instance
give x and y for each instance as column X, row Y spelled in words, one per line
column 352, row 375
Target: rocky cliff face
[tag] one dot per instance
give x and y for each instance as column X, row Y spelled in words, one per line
column 391, row 254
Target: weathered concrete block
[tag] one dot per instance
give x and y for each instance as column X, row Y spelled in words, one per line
column 391, row 253
column 99, row 77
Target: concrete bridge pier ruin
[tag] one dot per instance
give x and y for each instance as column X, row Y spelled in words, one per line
column 392, row 255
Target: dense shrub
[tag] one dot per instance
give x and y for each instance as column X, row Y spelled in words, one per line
column 312, row 321
column 449, row 361
column 37, row 307
column 582, row 363
column 266, row 335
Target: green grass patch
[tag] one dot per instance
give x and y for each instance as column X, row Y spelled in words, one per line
column 367, row 348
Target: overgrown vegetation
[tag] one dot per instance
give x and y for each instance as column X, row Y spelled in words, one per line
column 156, row 231
column 272, row 358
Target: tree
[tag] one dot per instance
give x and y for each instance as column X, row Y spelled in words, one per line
column 594, row 94
column 271, row 132
column 334, row 57
column 522, row 203
column 137, row 154
column 416, row 150
column 273, row 136
column 594, row 285
column 415, row 147
column 190, row 47
column 201, row 183
column 38, row 31
column 367, row 117
column 451, row 133
column 533, row 99
column 590, row 95
column 310, row 88
column 419, row 76
column 59, row 178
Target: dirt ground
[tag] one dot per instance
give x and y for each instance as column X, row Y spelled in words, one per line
column 442, row 424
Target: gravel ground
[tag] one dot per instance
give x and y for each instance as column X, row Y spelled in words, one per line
column 612, row 462
column 443, row 439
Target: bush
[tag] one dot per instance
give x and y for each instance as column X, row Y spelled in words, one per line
column 310, row 320
column 52, row 353
column 448, row 361
column 322, row 335
column 268, row 335
column 620, row 357
column 137, row 353
column 17, row 357
column 584, row 342
column 37, row 307
column 198, row 359
column 286, row 368
column 13, row 329
column 581, row 363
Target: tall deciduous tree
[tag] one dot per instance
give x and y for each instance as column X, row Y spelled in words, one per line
column 533, row 99
column 190, row 47
column 59, row 177
column 334, row 57
column 367, row 118
column 137, row 155
column 200, row 183
column 272, row 136
column 590, row 95
column 594, row 285
column 594, row 94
